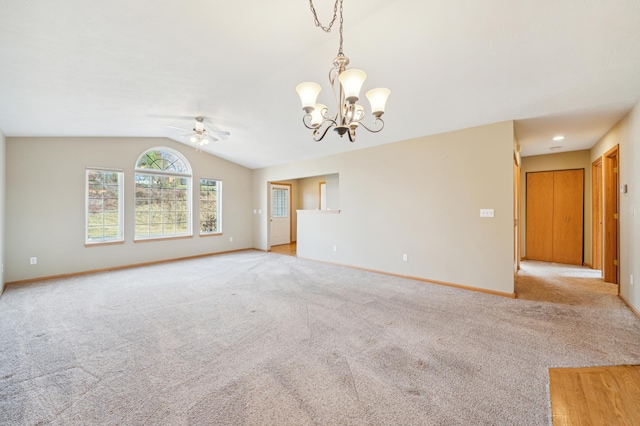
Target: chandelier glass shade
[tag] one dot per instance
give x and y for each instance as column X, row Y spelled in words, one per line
column 346, row 85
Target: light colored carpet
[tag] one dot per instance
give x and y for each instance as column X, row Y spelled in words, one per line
column 259, row 338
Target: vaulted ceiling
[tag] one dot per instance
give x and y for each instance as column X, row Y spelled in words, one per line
column 132, row 68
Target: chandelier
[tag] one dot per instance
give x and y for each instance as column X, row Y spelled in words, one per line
column 346, row 85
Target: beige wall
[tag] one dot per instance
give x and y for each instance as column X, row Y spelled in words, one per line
column 3, row 169
column 422, row 198
column 626, row 134
column 45, row 202
column 310, row 193
column 559, row 161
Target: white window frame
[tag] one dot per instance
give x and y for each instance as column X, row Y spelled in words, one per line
column 187, row 175
column 120, row 237
column 218, row 230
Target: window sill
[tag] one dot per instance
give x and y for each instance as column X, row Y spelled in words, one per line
column 103, row 243
column 148, row 240
column 211, row 234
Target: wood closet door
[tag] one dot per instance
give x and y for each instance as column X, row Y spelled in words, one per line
column 555, row 216
column 540, row 216
column 568, row 190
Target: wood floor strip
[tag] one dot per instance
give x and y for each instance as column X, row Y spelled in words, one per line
column 595, row 395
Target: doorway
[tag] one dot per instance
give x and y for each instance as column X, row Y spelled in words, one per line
column 280, row 214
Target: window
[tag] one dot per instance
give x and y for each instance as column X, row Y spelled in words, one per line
column 162, row 193
column 210, row 193
column 104, row 206
column 279, row 200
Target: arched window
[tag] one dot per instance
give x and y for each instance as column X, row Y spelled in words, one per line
column 163, row 194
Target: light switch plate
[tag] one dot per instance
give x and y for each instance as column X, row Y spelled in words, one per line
column 486, row 213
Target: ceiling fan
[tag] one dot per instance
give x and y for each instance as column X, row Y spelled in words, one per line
column 200, row 135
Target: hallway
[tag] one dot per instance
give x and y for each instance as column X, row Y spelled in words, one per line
column 286, row 249
column 563, row 284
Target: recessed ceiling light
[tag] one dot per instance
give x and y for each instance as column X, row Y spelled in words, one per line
column 558, row 138
column 555, row 147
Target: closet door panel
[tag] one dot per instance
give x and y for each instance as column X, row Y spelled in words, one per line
column 568, row 190
column 539, row 230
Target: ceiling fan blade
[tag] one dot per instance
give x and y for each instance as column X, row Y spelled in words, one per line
column 179, row 128
column 218, row 132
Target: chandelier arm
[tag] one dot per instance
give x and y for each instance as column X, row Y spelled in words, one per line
column 315, row 132
column 309, row 125
column 330, row 122
column 374, row 122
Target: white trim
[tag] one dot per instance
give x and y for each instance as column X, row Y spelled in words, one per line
column 105, row 169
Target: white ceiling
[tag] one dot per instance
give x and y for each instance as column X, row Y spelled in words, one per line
column 130, row 68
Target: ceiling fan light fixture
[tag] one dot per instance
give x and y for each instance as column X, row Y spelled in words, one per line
column 199, row 124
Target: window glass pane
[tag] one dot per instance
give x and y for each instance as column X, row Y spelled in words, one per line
column 111, row 191
column 95, row 205
column 94, row 219
column 111, row 231
column 111, row 219
column 111, row 204
column 95, row 233
column 142, row 217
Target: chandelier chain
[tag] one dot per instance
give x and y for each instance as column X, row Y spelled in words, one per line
column 327, row 29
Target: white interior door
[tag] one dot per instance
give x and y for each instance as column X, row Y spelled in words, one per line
column 280, row 217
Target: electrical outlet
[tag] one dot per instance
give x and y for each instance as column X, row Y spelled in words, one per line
column 335, row 248
column 404, row 258
column 230, row 239
column 33, row 261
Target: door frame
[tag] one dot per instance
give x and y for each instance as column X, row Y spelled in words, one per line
column 269, row 211
column 611, row 200
column 516, row 213
column 596, row 215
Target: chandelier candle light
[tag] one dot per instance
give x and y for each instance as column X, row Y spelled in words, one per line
column 347, row 93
